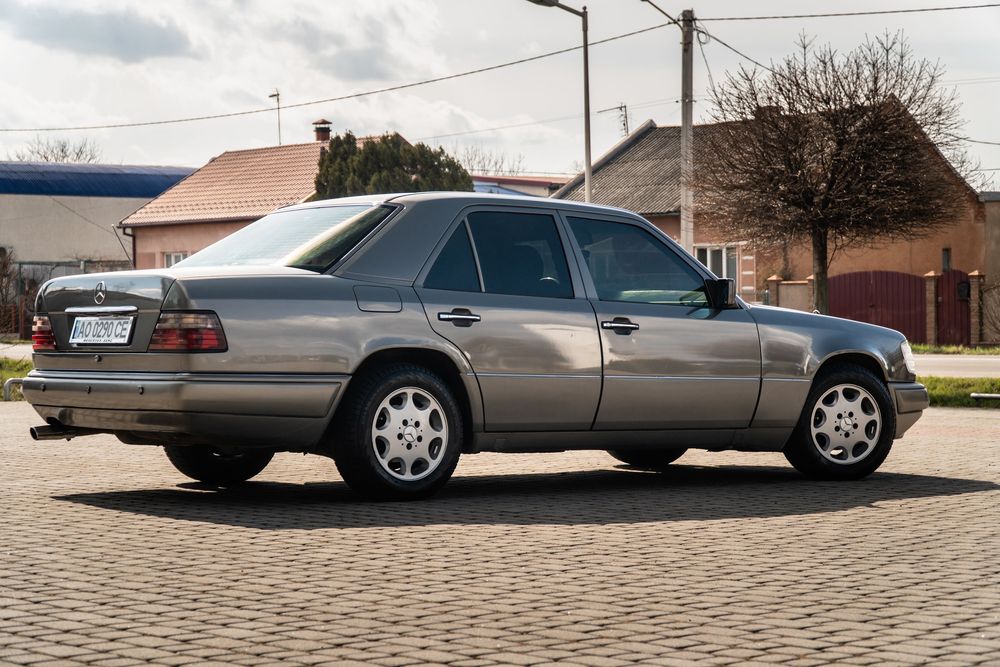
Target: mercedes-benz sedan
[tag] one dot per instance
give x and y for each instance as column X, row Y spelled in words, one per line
column 395, row 333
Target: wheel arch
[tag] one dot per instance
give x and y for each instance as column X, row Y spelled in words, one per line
column 463, row 385
column 864, row 359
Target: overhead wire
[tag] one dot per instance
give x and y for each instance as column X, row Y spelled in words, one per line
column 874, row 12
column 340, row 98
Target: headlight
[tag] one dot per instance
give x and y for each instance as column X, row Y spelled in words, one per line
column 911, row 363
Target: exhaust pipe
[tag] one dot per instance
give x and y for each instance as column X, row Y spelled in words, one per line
column 58, row 432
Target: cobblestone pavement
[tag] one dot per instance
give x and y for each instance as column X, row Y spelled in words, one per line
column 108, row 558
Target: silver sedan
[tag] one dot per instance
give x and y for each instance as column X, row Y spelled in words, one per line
column 394, row 333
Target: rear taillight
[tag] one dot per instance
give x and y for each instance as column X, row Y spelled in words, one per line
column 188, row 332
column 42, row 339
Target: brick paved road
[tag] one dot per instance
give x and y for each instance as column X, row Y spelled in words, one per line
column 524, row 559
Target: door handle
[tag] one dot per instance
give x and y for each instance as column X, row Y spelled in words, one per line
column 620, row 325
column 460, row 317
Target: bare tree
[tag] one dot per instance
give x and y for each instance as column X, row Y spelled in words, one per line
column 838, row 150
column 41, row 149
column 479, row 160
column 8, row 291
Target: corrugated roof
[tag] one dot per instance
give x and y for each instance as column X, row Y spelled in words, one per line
column 642, row 173
column 237, row 185
column 87, row 180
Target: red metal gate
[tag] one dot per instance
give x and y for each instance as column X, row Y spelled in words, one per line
column 886, row 298
column 953, row 325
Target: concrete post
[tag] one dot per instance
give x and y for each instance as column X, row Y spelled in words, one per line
column 930, row 279
column 773, row 287
column 976, row 307
column 811, row 279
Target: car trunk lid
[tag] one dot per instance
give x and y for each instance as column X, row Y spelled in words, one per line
column 108, row 298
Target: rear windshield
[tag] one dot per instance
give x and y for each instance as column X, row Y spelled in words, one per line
column 309, row 238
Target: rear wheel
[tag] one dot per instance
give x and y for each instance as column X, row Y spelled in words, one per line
column 846, row 427
column 650, row 459
column 207, row 464
column 399, row 434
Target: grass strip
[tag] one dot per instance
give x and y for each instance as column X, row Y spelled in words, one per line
column 954, row 392
column 14, row 368
column 922, row 348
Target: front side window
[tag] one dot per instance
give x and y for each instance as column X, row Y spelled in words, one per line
column 307, row 238
column 520, row 254
column 627, row 263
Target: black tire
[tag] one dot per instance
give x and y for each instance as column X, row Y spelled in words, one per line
column 804, row 451
column 648, row 459
column 206, row 464
column 363, row 459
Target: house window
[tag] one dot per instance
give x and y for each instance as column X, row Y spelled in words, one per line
column 171, row 258
column 945, row 259
column 723, row 261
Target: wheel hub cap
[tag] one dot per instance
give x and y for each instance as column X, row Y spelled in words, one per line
column 409, row 434
column 846, row 424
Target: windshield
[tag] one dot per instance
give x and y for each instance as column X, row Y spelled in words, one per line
column 308, row 238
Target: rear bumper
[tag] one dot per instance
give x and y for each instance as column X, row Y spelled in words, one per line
column 911, row 400
column 279, row 410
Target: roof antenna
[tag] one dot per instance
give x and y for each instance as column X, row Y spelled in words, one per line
column 276, row 96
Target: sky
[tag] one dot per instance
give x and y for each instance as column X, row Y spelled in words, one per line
column 96, row 62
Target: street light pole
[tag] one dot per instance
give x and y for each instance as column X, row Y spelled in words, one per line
column 582, row 13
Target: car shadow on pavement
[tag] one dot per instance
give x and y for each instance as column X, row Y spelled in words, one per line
column 619, row 495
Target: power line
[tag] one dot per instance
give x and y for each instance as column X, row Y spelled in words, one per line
column 377, row 91
column 979, row 141
column 736, row 51
column 839, row 14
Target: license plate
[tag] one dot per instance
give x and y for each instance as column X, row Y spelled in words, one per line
column 101, row 331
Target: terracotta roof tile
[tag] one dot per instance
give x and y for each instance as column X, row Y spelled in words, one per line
column 237, row 185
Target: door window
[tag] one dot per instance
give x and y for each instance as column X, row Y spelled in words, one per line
column 455, row 266
column 627, row 263
column 520, row 254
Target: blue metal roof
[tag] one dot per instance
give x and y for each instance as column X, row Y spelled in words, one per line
column 87, row 180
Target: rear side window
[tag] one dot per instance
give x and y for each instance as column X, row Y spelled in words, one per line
column 455, row 267
column 520, row 254
column 628, row 263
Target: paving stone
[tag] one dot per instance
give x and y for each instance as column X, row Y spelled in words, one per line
column 109, row 558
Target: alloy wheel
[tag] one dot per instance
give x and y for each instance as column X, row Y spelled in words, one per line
column 409, row 433
column 845, row 424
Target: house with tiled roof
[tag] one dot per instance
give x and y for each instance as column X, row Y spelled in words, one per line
column 643, row 173
column 231, row 191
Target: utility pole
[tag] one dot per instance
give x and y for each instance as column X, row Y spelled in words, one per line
column 582, row 14
column 276, row 96
column 687, row 130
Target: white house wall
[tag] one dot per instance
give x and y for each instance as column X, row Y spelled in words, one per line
column 47, row 229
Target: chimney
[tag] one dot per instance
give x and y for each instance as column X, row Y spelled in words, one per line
column 322, row 129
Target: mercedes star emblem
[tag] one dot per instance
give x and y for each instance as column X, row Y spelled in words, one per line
column 100, row 293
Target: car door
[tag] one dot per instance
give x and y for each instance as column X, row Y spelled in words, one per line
column 501, row 289
column 670, row 360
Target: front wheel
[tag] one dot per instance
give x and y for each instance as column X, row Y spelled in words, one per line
column 207, row 464
column 399, row 435
column 650, row 459
column 846, row 427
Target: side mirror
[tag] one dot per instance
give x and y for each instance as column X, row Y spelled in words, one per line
column 721, row 292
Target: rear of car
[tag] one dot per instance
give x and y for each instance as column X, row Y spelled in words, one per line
column 203, row 352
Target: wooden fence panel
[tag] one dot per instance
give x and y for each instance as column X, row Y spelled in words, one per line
column 886, row 298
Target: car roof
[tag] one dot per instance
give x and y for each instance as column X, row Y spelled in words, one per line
column 461, row 198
